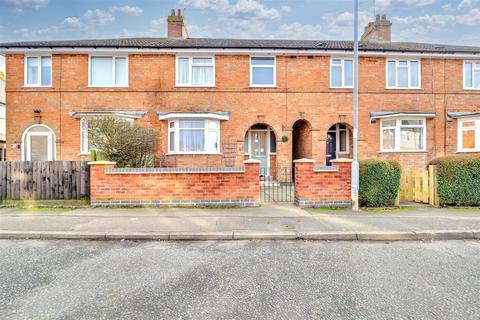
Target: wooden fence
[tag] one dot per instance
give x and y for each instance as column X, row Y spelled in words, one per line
column 420, row 186
column 44, row 180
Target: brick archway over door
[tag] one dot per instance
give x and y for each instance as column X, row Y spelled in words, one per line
column 301, row 140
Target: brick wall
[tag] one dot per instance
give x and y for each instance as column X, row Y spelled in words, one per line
column 303, row 93
column 174, row 186
column 322, row 186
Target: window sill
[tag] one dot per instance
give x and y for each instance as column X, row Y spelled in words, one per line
column 391, row 88
column 471, row 89
column 194, row 153
column 468, row 151
column 193, row 86
column 36, row 87
column 403, row 151
column 265, row 87
column 107, row 87
column 341, row 88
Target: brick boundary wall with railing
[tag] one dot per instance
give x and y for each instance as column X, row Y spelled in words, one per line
column 323, row 186
column 227, row 187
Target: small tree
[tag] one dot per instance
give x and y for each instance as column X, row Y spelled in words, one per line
column 121, row 141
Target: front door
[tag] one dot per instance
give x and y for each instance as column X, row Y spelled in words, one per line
column 331, row 147
column 259, row 141
column 39, row 147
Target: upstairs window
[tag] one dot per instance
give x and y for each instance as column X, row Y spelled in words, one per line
column 471, row 75
column 403, row 74
column 469, row 135
column 341, row 73
column 262, row 72
column 38, row 71
column 108, row 71
column 403, row 135
column 194, row 136
column 195, row 71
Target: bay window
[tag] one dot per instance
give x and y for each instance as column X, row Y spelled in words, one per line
column 38, row 71
column 194, row 136
column 195, row 71
column 469, row 135
column 471, row 75
column 403, row 74
column 341, row 73
column 108, row 71
column 403, row 135
column 262, row 72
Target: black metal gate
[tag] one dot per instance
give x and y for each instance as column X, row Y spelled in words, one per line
column 277, row 185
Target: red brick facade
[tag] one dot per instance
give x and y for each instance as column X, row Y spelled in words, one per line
column 303, row 92
column 238, row 187
column 323, row 186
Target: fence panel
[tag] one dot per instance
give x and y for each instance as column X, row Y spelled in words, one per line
column 44, row 180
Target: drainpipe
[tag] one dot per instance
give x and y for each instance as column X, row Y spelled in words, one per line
column 355, row 165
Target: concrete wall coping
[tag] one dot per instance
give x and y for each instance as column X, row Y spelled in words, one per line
column 252, row 161
column 303, row 161
column 102, row 162
column 342, row 160
column 325, row 169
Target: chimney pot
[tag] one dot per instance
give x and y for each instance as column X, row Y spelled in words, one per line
column 179, row 12
column 176, row 28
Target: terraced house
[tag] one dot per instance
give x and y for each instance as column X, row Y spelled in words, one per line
column 216, row 102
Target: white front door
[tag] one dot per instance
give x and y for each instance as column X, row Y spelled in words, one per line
column 260, row 149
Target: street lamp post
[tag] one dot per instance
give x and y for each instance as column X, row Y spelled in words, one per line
column 355, row 165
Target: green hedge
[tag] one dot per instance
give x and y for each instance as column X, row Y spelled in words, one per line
column 379, row 182
column 458, row 180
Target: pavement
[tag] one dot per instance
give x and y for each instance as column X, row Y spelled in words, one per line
column 239, row 280
column 286, row 222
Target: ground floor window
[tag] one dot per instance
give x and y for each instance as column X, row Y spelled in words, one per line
column 85, row 145
column 469, row 135
column 403, row 135
column 38, row 144
column 194, row 136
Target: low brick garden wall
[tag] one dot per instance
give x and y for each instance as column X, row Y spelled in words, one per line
column 323, row 186
column 111, row 186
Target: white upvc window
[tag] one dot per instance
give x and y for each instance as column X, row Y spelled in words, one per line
column 341, row 73
column 263, row 72
column 85, row 145
column 403, row 135
column 341, row 138
column 469, row 135
column 38, row 71
column 108, row 71
column 196, row 71
column 471, row 75
column 194, row 136
column 403, row 74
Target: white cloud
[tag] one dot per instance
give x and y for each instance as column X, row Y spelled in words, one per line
column 26, row 32
column 385, row 4
column 255, row 8
column 158, row 23
column 448, row 7
column 285, row 9
column 133, row 11
column 215, row 5
column 342, row 24
column 466, row 5
column 97, row 17
column 441, row 20
column 73, row 22
column 297, row 30
column 23, row 4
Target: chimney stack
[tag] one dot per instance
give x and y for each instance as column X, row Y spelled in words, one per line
column 379, row 30
column 176, row 28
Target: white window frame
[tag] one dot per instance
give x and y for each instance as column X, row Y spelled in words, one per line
column 476, row 129
column 337, row 139
column 274, row 66
column 190, row 67
column 475, row 66
column 409, row 86
column 342, row 66
column 397, row 127
column 39, row 65
column 206, row 128
column 27, row 154
column 113, row 57
column 84, row 142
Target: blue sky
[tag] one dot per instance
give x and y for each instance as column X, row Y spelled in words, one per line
column 438, row 21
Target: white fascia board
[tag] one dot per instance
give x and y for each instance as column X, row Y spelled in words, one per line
column 405, row 115
column 273, row 52
column 193, row 115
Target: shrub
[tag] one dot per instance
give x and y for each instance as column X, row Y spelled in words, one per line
column 379, row 182
column 118, row 140
column 458, row 180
